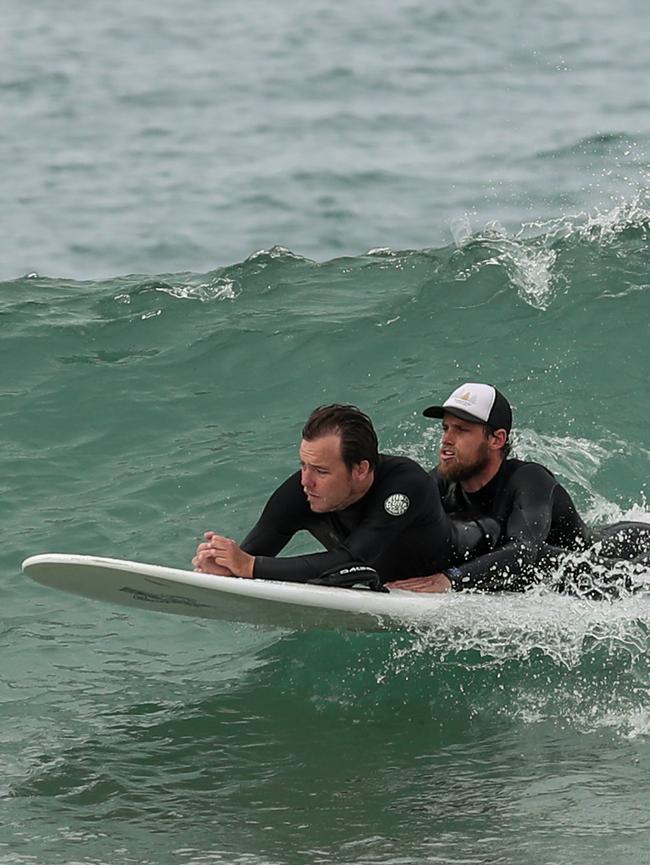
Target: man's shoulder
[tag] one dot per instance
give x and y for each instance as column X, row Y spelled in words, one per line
column 404, row 476
column 391, row 465
column 287, row 505
column 401, row 485
column 516, row 471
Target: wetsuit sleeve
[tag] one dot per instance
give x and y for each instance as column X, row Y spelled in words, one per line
column 282, row 517
column 286, row 513
column 299, row 569
column 510, row 566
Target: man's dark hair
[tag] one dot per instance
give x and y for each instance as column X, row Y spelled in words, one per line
column 358, row 436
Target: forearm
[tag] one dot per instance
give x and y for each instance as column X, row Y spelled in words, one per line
column 264, row 540
column 508, row 568
column 299, row 569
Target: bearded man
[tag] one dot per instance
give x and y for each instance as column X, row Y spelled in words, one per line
column 537, row 519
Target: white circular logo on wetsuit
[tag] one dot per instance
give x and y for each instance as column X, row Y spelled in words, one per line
column 397, row 504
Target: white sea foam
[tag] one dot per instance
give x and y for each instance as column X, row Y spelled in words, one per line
column 574, row 459
column 518, row 627
column 276, row 252
column 529, row 256
column 220, row 288
column 381, row 252
column 461, row 230
column 528, row 263
column 576, row 462
column 603, row 511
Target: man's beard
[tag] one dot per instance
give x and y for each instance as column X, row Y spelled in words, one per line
column 455, row 470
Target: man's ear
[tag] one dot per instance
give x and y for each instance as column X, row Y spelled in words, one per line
column 360, row 471
column 498, row 439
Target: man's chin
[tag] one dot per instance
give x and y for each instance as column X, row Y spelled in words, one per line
column 448, row 470
column 453, row 471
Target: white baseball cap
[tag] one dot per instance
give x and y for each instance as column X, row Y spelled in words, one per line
column 477, row 403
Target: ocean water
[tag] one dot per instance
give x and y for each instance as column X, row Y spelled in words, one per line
column 215, row 218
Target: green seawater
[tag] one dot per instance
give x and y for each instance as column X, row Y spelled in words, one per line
column 215, row 217
column 142, row 410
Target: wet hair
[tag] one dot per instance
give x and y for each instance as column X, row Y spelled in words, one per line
column 358, row 436
column 507, row 447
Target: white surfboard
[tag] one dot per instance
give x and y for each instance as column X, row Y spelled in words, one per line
column 258, row 602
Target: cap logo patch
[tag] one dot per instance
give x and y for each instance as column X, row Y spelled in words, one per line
column 397, row 504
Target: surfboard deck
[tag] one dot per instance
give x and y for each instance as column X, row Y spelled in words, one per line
column 295, row 606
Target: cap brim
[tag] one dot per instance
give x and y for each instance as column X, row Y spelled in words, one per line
column 441, row 411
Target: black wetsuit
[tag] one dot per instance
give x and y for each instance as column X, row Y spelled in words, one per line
column 399, row 527
column 538, row 522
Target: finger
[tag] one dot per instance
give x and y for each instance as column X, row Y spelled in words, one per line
column 412, row 585
column 225, row 546
column 219, row 556
column 404, row 584
column 217, row 540
column 204, row 560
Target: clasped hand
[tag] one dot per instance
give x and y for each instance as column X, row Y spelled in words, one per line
column 433, row 584
column 223, row 557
